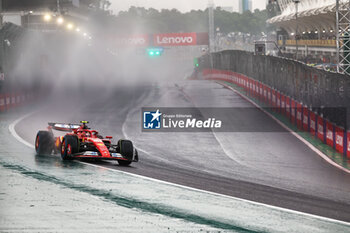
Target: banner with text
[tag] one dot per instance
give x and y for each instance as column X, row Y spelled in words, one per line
column 175, row 39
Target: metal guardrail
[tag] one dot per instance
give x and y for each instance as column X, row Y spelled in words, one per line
column 326, row 93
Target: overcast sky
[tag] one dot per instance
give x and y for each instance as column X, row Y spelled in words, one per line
column 182, row 5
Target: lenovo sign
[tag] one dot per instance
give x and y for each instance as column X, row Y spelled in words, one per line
column 131, row 41
column 158, row 40
column 175, row 39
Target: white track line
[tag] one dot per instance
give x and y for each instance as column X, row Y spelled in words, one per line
column 312, row 147
column 227, row 153
column 13, row 132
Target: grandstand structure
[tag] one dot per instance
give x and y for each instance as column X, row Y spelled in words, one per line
column 313, row 28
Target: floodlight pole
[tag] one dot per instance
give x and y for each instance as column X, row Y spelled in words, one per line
column 296, row 2
column 343, row 36
column 58, row 7
column 211, row 32
column 211, row 26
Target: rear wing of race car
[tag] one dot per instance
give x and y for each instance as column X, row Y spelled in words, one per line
column 64, row 126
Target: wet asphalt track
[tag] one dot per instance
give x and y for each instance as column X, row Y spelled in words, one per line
column 272, row 168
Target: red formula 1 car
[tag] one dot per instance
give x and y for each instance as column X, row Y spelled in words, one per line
column 80, row 142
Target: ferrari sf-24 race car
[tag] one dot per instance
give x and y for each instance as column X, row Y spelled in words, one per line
column 81, row 142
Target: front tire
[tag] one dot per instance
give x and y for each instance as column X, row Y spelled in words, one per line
column 69, row 147
column 44, row 143
column 124, row 162
column 127, row 151
column 136, row 158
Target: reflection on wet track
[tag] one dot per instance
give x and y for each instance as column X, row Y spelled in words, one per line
column 272, row 168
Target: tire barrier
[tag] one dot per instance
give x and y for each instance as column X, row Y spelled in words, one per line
column 304, row 118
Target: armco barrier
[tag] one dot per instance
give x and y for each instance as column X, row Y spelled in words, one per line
column 305, row 119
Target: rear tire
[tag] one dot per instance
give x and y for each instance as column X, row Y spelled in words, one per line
column 70, row 146
column 127, row 151
column 44, row 143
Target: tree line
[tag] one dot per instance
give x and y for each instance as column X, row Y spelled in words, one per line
column 142, row 20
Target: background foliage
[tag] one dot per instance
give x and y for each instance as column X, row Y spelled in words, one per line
column 142, row 20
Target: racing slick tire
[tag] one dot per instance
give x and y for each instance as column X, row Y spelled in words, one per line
column 44, row 143
column 70, row 146
column 126, row 150
column 136, row 159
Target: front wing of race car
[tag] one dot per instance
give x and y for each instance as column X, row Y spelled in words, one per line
column 96, row 155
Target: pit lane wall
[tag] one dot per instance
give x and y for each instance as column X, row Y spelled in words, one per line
column 315, row 101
